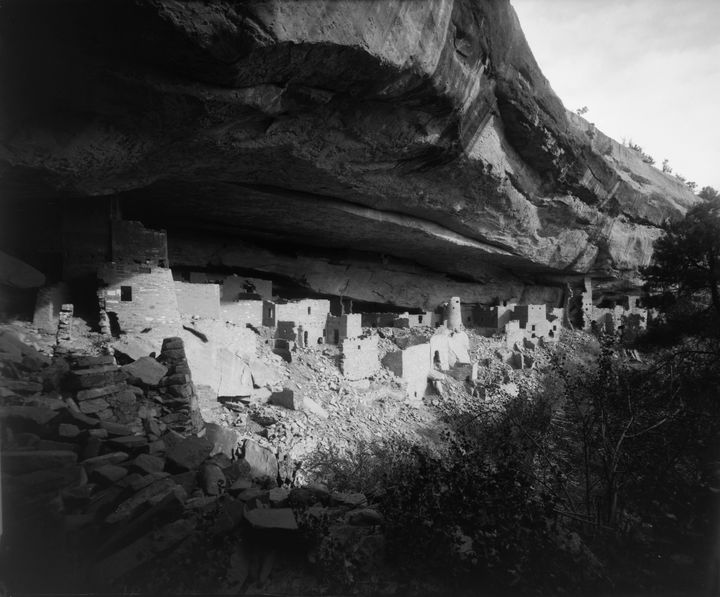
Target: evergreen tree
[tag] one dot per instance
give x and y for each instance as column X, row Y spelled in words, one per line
column 686, row 259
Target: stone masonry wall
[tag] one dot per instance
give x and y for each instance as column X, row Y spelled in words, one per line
column 530, row 314
column 268, row 314
column 610, row 319
column 413, row 365
column 469, row 314
column 310, row 335
column 514, row 334
column 202, row 300
column 493, row 320
column 378, row 320
column 242, row 312
column 132, row 242
column 286, row 330
column 346, row 326
column 422, row 319
column 414, row 320
column 305, row 335
column 439, row 348
column 312, row 312
column 359, row 357
column 309, row 312
column 416, row 367
column 150, row 301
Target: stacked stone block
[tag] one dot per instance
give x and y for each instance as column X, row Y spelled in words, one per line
column 101, row 390
column 63, row 338
column 177, row 391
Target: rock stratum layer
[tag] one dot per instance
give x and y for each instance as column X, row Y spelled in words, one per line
column 420, row 130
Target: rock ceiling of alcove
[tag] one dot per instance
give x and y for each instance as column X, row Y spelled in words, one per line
column 420, row 130
column 282, row 217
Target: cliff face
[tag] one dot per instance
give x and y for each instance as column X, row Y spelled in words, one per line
column 421, row 130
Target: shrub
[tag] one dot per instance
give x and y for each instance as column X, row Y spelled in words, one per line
column 474, row 514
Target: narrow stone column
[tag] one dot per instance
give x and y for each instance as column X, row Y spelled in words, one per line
column 177, row 388
column 453, row 314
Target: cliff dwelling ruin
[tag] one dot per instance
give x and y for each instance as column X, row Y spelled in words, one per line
column 239, row 235
column 144, row 295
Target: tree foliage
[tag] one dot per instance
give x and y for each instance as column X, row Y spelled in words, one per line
column 686, row 259
column 582, row 481
column 709, row 194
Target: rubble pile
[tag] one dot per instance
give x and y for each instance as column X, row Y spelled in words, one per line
column 126, row 469
column 104, row 480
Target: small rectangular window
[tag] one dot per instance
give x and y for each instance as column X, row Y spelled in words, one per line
column 309, row 310
column 126, row 293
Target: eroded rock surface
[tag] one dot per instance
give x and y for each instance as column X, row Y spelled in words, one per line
column 421, row 130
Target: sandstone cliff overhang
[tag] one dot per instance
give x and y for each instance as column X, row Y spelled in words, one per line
column 420, row 130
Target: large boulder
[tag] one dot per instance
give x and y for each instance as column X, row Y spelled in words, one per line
column 261, row 461
column 133, row 347
column 263, row 375
column 235, row 378
column 187, row 454
column 287, row 399
column 146, row 371
column 224, row 440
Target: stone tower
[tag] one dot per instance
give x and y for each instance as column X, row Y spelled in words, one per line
column 453, row 314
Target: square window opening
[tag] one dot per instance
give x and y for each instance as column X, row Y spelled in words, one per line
column 126, row 293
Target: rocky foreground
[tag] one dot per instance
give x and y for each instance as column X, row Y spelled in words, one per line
column 95, row 499
column 115, row 475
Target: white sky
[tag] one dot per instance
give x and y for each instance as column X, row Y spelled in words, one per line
column 648, row 70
